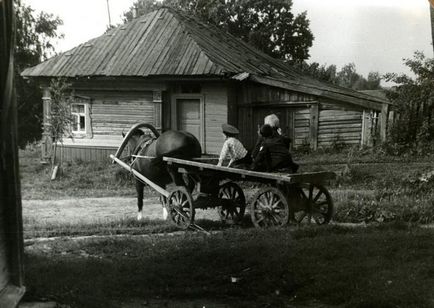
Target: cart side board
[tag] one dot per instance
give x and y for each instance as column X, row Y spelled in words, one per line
column 234, row 173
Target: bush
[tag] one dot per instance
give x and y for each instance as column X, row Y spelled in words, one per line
column 410, row 201
column 413, row 127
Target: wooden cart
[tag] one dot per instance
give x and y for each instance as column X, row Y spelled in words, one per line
column 282, row 198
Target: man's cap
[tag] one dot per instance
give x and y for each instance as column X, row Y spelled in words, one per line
column 230, row 129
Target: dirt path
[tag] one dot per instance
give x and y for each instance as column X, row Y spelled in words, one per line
column 88, row 210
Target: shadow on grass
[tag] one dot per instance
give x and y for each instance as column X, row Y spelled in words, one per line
column 335, row 266
column 35, row 229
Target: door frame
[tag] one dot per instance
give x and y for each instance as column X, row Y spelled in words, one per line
column 174, row 117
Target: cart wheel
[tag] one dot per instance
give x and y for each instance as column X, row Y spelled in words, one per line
column 269, row 208
column 232, row 212
column 315, row 202
column 180, row 207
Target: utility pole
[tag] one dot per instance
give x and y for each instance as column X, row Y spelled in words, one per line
column 432, row 22
column 108, row 11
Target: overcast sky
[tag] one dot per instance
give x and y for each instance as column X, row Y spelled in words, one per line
column 373, row 34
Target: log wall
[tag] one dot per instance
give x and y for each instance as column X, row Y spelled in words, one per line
column 308, row 120
column 339, row 126
column 301, row 127
column 114, row 112
column 216, row 113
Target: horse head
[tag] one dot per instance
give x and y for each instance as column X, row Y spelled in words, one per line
column 136, row 141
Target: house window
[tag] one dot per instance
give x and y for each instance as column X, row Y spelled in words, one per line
column 78, row 113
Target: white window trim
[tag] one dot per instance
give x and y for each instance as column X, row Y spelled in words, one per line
column 75, row 126
column 87, row 132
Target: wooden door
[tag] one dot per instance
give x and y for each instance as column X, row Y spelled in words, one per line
column 189, row 117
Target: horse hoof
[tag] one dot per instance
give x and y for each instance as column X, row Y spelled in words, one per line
column 139, row 216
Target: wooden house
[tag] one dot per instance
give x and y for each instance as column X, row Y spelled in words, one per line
column 176, row 72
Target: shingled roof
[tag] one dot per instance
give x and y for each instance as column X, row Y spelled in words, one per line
column 169, row 43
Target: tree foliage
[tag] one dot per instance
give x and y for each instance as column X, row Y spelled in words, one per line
column 34, row 36
column 269, row 25
column 346, row 77
column 60, row 113
column 414, row 102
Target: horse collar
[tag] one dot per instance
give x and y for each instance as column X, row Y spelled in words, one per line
column 143, row 145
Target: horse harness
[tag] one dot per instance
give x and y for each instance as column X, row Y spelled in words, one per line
column 140, row 148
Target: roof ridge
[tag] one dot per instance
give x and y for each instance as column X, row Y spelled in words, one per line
column 177, row 14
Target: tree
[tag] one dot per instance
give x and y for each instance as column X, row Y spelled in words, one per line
column 317, row 71
column 346, row 77
column 60, row 114
column 414, row 103
column 269, row 25
column 34, row 37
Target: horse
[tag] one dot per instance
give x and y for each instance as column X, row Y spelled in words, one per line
column 150, row 151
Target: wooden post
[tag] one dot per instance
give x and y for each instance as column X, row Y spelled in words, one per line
column 157, row 99
column 11, row 224
column 314, row 120
column 46, row 141
column 383, row 123
column 365, row 128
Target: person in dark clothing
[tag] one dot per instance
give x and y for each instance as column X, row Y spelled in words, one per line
column 273, row 121
column 273, row 153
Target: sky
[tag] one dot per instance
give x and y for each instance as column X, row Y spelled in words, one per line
column 375, row 35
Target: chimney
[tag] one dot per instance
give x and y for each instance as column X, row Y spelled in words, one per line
column 135, row 12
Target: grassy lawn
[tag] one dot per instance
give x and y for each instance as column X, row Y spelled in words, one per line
column 79, row 179
column 387, row 263
column 391, row 266
column 368, row 187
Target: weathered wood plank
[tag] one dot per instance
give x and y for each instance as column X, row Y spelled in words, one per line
column 313, row 132
column 252, row 175
column 159, row 189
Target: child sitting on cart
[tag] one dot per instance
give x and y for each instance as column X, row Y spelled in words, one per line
column 273, row 154
column 232, row 147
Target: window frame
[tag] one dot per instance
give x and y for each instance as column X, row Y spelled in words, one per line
column 77, row 115
column 86, row 132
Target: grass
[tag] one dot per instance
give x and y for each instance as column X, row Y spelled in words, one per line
column 79, row 179
column 106, row 227
column 391, row 266
column 381, row 265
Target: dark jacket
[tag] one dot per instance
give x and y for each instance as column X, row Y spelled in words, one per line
column 273, row 154
column 261, row 140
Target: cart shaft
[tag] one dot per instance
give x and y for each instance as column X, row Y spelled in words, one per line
column 137, row 174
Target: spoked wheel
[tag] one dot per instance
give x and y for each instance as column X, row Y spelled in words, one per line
column 234, row 207
column 315, row 203
column 269, row 208
column 180, row 207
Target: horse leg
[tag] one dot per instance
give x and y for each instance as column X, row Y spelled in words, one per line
column 163, row 201
column 139, row 189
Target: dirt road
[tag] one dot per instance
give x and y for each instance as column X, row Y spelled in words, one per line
column 88, row 210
